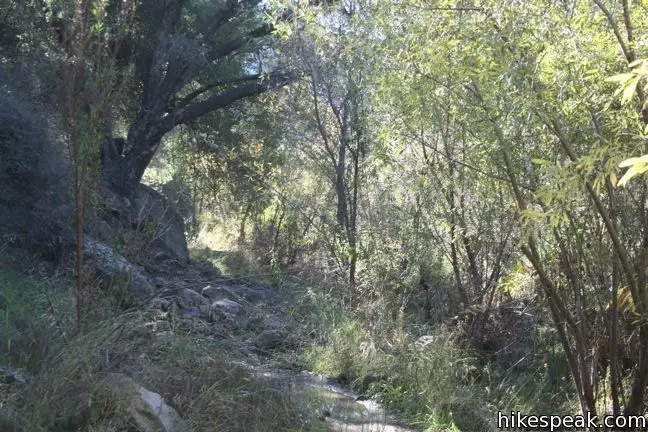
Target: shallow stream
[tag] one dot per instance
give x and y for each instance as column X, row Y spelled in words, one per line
column 339, row 407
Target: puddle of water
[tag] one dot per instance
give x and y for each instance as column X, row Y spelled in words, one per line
column 336, row 405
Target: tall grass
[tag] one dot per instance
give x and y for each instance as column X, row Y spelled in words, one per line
column 33, row 319
column 436, row 382
column 68, row 390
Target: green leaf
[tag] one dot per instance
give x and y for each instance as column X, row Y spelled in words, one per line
column 621, row 77
column 634, row 170
column 636, row 63
column 629, row 91
column 633, row 161
column 540, row 161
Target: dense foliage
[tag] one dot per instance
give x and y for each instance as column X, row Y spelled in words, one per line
column 441, row 168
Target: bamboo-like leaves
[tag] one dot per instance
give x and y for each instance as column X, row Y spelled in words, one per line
column 636, row 166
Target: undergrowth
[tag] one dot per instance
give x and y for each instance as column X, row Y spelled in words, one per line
column 68, row 391
column 425, row 373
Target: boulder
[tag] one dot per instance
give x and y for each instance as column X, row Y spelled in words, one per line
column 190, row 298
column 160, row 304
column 34, row 175
column 150, row 207
column 269, row 339
column 192, row 312
column 218, row 293
column 146, row 410
column 146, row 216
column 208, row 270
column 110, row 264
column 227, row 306
column 107, row 233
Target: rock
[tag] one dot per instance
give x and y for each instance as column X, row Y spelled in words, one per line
column 269, row 339
column 9, row 420
column 195, row 326
column 110, row 264
column 33, row 175
column 192, row 312
column 49, row 240
column 146, row 410
column 227, row 306
column 13, row 375
column 208, row 270
column 106, row 232
column 426, row 340
column 150, row 207
column 160, row 304
column 190, row 298
column 158, row 326
column 164, row 337
column 218, row 293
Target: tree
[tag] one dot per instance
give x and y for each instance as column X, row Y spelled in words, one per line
column 192, row 59
column 534, row 102
column 338, row 89
column 91, row 84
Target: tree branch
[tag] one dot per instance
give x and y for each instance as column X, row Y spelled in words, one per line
column 615, row 29
column 222, row 100
column 218, row 83
column 234, row 44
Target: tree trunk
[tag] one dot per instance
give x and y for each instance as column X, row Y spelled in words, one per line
column 340, row 174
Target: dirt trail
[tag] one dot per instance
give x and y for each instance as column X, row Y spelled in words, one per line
column 251, row 314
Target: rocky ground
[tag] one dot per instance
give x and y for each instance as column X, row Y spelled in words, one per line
column 139, row 243
column 253, row 315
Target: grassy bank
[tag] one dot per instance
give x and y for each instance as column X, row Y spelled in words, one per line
column 67, row 389
column 427, row 373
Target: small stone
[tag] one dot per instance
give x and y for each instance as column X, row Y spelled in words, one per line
column 13, row 375
column 189, row 298
column 228, row 306
column 146, row 409
column 218, row 292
